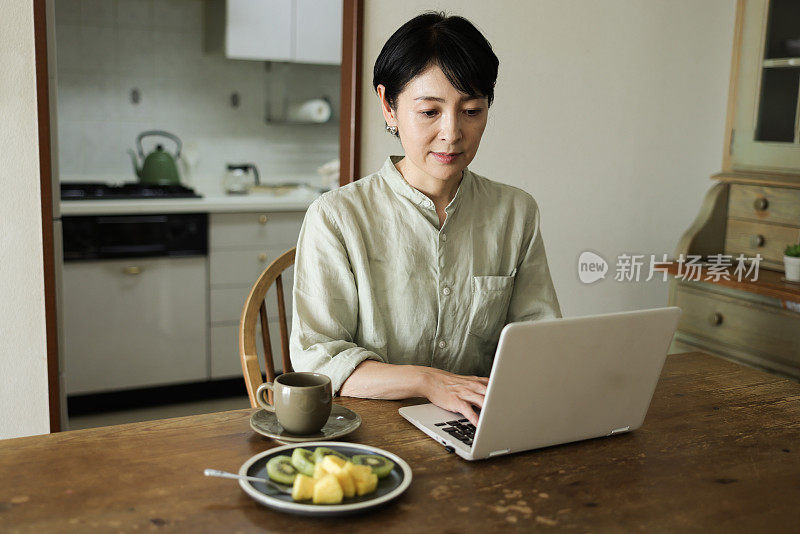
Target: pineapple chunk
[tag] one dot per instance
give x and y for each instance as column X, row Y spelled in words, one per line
column 319, row 471
column 347, row 483
column 327, row 491
column 358, row 472
column 303, row 487
column 333, row 464
column 366, row 481
column 367, row 486
column 337, row 467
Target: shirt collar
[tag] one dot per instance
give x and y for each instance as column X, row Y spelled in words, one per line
column 400, row 186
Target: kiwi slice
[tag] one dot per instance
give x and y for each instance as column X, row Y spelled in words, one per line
column 322, row 452
column 380, row 466
column 302, row 461
column 281, row 470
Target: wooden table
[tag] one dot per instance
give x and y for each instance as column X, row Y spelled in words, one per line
column 719, row 450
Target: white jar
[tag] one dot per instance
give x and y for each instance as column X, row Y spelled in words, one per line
column 792, row 268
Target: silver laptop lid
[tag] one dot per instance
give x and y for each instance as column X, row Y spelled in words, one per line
column 562, row 380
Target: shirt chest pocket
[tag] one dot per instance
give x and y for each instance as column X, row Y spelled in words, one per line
column 490, row 298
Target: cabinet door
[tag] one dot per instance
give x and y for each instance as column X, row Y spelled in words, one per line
column 225, row 359
column 227, row 302
column 254, row 230
column 767, row 122
column 134, row 323
column 318, row 32
column 240, row 267
column 259, row 29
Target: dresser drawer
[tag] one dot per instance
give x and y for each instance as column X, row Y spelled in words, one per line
column 751, row 238
column 240, row 267
column 766, row 332
column 769, row 204
column 242, row 230
column 227, row 303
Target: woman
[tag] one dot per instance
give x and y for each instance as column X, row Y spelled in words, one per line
column 405, row 278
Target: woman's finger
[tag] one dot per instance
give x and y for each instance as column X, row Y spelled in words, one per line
column 472, row 397
column 467, row 411
column 478, row 387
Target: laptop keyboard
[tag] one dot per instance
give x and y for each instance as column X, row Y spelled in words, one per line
column 460, row 429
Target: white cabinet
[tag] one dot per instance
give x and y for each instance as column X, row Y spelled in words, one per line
column 134, row 323
column 300, row 31
column 259, row 29
column 318, row 32
column 241, row 246
column 145, row 322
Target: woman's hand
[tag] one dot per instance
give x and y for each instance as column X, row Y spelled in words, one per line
column 455, row 393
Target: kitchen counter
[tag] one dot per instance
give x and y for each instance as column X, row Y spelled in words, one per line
column 295, row 201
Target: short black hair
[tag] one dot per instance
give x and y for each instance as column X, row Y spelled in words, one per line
column 433, row 38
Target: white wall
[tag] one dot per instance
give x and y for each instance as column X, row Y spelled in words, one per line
column 23, row 351
column 611, row 114
column 106, row 49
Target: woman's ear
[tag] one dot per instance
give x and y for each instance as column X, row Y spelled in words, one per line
column 388, row 114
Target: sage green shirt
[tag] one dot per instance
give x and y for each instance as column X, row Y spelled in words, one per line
column 376, row 278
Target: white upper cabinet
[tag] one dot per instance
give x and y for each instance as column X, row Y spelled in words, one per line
column 318, row 31
column 259, row 29
column 300, row 31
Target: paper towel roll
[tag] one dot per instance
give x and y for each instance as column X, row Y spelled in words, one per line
column 317, row 110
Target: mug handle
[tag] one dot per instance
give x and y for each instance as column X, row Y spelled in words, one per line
column 262, row 399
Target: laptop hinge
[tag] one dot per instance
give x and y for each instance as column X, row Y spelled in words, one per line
column 620, row 430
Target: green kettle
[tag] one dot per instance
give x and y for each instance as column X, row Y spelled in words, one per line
column 158, row 167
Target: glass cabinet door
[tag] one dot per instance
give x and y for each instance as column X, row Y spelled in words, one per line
column 767, row 124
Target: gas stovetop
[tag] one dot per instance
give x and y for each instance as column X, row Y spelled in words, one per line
column 98, row 191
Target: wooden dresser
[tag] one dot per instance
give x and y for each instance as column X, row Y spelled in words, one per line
column 754, row 205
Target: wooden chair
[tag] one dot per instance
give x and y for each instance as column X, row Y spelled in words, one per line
column 254, row 309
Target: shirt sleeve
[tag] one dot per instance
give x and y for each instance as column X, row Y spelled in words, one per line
column 533, row 297
column 325, row 302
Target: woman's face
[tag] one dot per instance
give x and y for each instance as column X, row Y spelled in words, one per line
column 440, row 128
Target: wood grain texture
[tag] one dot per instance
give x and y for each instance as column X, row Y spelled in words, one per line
column 770, row 333
column 255, row 308
column 769, row 240
column 730, row 115
column 719, row 451
column 780, row 204
column 769, row 282
column 350, row 99
column 46, row 187
column 758, row 178
column 706, row 235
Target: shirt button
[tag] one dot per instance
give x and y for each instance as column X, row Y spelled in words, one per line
column 446, row 291
column 442, row 344
column 444, row 237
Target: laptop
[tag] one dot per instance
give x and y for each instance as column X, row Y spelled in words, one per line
column 557, row 381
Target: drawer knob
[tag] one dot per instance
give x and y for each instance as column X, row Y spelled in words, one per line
column 715, row 318
column 262, row 219
column 132, row 269
column 262, row 256
column 761, row 204
column 757, row 240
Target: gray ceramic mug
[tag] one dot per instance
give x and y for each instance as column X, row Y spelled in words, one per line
column 302, row 401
